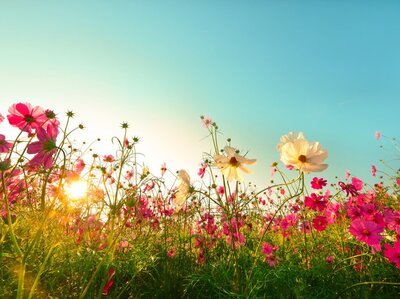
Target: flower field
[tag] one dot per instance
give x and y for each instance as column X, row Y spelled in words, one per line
column 77, row 224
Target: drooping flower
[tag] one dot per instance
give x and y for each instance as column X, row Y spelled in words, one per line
column 290, row 137
column 393, row 253
column 44, row 149
column 108, row 158
column 183, row 189
column 26, row 117
column 5, row 146
column 318, row 183
column 230, row 163
column 367, row 231
column 304, row 156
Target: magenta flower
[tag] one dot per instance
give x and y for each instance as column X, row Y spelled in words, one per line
column 45, row 148
column 367, row 231
column 319, row 223
column 393, row 253
column 267, row 248
column 318, row 183
column 357, row 183
column 373, row 170
column 26, row 117
column 315, row 202
column 5, row 146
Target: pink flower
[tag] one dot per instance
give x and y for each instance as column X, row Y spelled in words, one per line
column 267, row 248
column 315, row 202
column 79, row 166
column 398, row 182
column 393, row 253
column 357, row 183
column 206, row 122
column 25, row 117
column 45, row 148
column 373, row 170
column 5, row 146
column 377, row 135
column 109, row 282
column 202, row 170
column 108, row 158
column 347, row 174
column 1, row 118
column 367, row 231
column 319, row 223
column 221, row 190
column 272, row 171
column 318, row 183
column 349, row 188
column 330, row 259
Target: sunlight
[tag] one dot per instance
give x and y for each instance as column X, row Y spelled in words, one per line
column 76, row 189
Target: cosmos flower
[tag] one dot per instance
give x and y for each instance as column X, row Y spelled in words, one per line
column 377, row 135
column 393, row 253
column 206, row 122
column 5, row 146
column 318, row 183
column 315, row 202
column 44, row 148
column 26, row 117
column 319, row 223
column 230, row 163
column 290, row 137
column 367, row 231
column 304, row 156
column 1, row 118
column 183, row 189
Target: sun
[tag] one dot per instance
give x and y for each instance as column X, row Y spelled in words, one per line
column 76, row 190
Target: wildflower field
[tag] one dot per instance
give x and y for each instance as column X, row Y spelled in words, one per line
column 76, row 224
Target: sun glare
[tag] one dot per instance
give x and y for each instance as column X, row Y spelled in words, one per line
column 76, row 190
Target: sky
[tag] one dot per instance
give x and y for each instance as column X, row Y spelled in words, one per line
column 260, row 69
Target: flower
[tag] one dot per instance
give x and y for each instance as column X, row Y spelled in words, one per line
column 373, row 170
column 315, row 202
column 1, row 118
column 393, row 253
column 318, row 183
column 206, row 122
column 319, row 223
column 230, row 163
column 183, row 189
column 26, row 117
column 290, row 137
column 357, row 183
column 304, row 156
column 45, row 148
column 202, row 170
column 377, row 135
column 163, row 169
column 5, row 146
column 367, row 231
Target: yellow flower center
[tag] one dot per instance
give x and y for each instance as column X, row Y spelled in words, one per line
column 302, row 158
column 234, row 162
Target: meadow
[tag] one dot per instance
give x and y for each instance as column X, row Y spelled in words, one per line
column 77, row 224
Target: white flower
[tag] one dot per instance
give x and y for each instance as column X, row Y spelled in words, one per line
column 230, row 163
column 183, row 189
column 290, row 137
column 304, row 156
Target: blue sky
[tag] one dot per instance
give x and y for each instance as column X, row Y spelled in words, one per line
column 259, row 68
